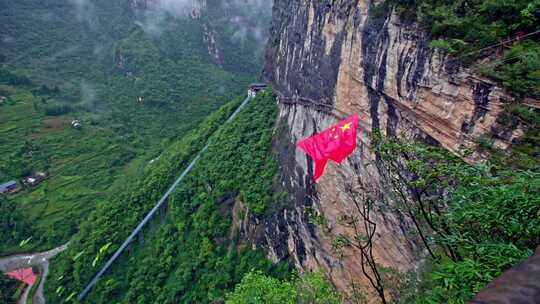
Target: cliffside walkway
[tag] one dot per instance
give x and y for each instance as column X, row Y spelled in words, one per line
column 324, row 106
column 152, row 212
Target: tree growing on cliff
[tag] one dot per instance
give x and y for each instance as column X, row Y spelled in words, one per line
column 419, row 177
column 362, row 229
column 477, row 221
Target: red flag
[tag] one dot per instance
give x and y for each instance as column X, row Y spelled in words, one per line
column 24, row 275
column 335, row 143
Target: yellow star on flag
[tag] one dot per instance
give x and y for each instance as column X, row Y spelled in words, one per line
column 345, row 127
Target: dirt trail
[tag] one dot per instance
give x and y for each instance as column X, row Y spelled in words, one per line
column 14, row 262
column 39, row 298
column 24, row 296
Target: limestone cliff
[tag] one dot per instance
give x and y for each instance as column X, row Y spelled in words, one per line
column 327, row 59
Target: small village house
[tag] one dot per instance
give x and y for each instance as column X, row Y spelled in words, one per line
column 76, row 124
column 35, row 179
column 9, row 187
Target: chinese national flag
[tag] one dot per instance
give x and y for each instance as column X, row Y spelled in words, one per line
column 335, row 143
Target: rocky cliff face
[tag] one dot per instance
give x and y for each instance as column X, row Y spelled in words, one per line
column 328, row 59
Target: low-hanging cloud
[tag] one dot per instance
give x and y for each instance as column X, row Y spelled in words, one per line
column 89, row 98
column 249, row 18
column 178, row 8
column 88, row 94
column 84, row 10
column 153, row 18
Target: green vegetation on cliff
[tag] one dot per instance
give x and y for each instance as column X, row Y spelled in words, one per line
column 194, row 257
column 493, row 225
column 310, row 288
column 505, row 31
column 476, row 221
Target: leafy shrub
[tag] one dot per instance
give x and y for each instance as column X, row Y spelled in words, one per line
column 257, row 288
column 500, row 208
column 455, row 282
column 313, row 288
column 453, row 46
column 492, row 224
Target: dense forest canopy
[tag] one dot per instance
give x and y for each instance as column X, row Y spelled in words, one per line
column 8, row 289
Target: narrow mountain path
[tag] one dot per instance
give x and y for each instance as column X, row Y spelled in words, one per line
column 18, row 261
column 24, row 296
column 39, row 298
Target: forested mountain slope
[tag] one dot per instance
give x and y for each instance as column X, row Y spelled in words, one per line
column 193, row 257
column 134, row 75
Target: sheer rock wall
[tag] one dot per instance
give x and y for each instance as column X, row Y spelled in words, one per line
column 345, row 56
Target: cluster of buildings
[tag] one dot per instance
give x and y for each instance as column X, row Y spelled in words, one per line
column 13, row 186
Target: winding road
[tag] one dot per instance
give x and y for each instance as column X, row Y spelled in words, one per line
column 14, row 262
